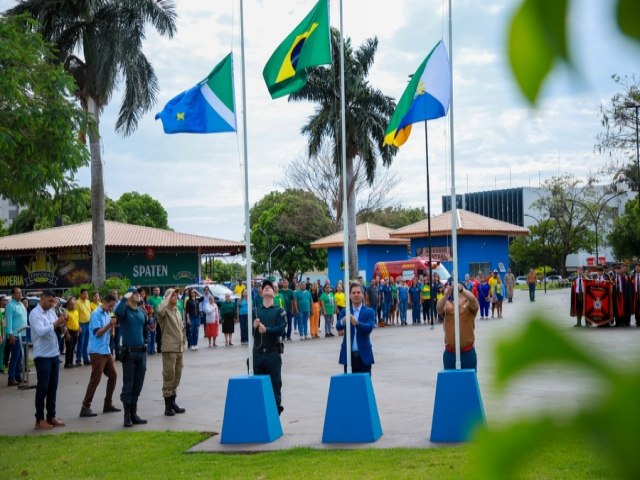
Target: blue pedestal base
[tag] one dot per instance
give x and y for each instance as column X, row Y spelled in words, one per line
column 458, row 408
column 352, row 413
column 250, row 412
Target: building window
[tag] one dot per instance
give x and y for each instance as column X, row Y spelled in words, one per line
column 476, row 267
column 13, row 213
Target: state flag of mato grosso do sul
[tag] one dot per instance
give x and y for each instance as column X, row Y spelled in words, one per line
column 426, row 97
column 309, row 45
column 209, row 107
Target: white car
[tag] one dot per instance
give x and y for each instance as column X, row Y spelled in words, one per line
column 521, row 280
column 554, row 279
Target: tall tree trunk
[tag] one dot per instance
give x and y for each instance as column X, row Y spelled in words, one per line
column 98, row 260
column 351, row 217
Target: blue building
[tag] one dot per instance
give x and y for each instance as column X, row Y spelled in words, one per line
column 374, row 245
column 483, row 242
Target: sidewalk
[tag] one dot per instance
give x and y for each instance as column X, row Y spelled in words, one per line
column 404, row 377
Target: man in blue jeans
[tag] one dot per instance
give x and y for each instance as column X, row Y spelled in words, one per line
column 16, row 319
column 45, row 325
column 84, row 313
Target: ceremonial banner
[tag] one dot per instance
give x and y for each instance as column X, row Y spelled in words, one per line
column 598, row 308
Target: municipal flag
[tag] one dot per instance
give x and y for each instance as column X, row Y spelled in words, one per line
column 426, row 97
column 209, row 107
column 307, row 46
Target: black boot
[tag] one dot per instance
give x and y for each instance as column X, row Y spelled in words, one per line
column 168, row 407
column 175, row 406
column 127, row 415
column 135, row 419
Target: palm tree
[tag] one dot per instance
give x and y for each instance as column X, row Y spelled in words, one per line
column 368, row 112
column 108, row 35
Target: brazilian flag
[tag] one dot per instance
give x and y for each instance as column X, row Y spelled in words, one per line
column 307, row 46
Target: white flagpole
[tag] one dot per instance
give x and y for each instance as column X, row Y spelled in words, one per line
column 247, row 227
column 345, row 214
column 454, row 207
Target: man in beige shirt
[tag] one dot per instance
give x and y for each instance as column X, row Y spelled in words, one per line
column 83, row 305
column 468, row 307
column 173, row 340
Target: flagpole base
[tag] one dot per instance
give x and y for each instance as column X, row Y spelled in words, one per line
column 352, row 412
column 458, row 408
column 250, row 412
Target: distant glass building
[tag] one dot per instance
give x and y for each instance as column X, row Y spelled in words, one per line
column 508, row 205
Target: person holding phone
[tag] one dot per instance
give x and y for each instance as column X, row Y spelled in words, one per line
column 468, row 309
column 45, row 325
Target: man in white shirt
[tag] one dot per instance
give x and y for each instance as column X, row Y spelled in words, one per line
column 44, row 324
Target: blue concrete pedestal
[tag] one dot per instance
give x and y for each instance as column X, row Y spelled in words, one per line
column 250, row 412
column 352, row 413
column 458, row 408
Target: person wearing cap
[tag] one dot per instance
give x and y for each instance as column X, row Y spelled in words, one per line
column 174, row 337
column 468, row 310
column 100, row 325
column 45, row 325
column 509, row 282
column 133, row 326
column 268, row 328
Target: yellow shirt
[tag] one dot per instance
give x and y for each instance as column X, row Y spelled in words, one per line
column 94, row 306
column 239, row 289
column 341, row 300
column 84, row 310
column 73, row 322
column 492, row 282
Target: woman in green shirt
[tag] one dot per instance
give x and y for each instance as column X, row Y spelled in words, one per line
column 228, row 315
column 328, row 307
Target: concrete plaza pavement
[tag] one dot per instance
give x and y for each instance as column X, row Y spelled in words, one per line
column 404, row 379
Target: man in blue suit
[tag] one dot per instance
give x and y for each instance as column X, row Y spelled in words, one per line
column 362, row 320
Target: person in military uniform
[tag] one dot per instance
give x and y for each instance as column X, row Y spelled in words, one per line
column 268, row 328
column 133, row 328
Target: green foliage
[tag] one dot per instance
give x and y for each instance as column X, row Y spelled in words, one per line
column 39, row 122
column 74, row 206
column 142, row 209
column 611, row 429
column 538, row 38
column 121, row 285
column 392, row 217
column 566, row 223
column 294, row 219
column 625, row 234
column 628, row 13
column 219, row 271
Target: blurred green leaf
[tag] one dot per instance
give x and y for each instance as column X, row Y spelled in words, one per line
column 499, row 454
column 629, row 17
column 541, row 343
column 537, row 38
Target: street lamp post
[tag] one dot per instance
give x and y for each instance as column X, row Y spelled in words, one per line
column 271, row 253
column 596, row 218
column 636, row 106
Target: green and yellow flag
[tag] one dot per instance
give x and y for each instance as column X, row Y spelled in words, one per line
column 307, row 46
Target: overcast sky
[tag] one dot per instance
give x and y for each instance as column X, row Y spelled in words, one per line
column 499, row 141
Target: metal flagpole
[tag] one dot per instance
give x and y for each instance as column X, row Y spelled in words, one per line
column 345, row 214
column 426, row 146
column 454, row 206
column 247, row 226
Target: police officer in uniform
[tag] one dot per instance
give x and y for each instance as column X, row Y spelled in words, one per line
column 133, row 328
column 268, row 328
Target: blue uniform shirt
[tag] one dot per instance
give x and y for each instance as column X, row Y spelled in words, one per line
column 99, row 318
column 132, row 322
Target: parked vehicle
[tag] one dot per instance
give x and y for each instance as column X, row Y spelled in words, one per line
column 408, row 268
column 521, row 280
column 218, row 291
column 554, row 279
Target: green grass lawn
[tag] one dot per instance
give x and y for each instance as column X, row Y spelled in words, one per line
column 161, row 455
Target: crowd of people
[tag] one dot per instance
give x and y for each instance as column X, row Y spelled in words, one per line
column 97, row 332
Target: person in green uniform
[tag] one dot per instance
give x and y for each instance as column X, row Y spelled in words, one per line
column 287, row 294
column 268, row 328
column 155, row 300
column 228, row 313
